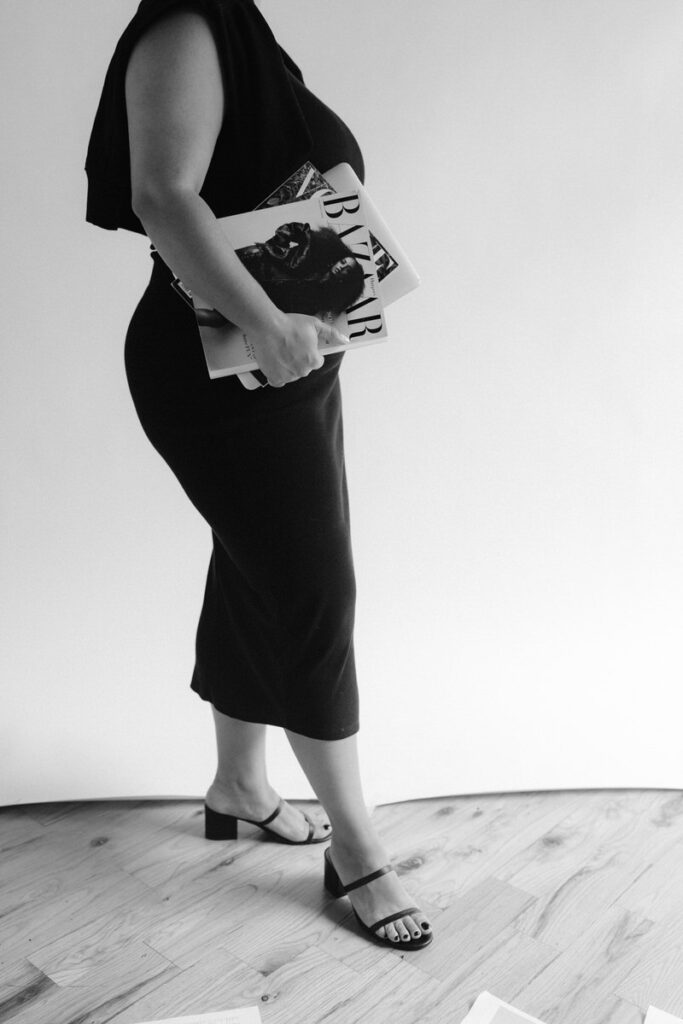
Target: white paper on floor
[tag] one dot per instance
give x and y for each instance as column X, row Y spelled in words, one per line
column 241, row 1015
column 655, row 1016
column 488, row 1009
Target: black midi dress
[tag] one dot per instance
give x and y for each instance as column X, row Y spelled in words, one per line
column 264, row 468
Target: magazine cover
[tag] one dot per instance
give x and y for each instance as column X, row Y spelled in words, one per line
column 312, row 256
column 395, row 273
column 303, row 184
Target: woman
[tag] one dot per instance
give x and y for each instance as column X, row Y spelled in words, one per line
column 202, row 115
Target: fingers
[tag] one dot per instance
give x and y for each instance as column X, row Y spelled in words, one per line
column 297, row 354
column 278, row 380
column 329, row 334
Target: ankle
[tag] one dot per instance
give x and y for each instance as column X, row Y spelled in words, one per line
column 239, row 785
column 352, row 843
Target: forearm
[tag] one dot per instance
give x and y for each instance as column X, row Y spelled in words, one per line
column 191, row 242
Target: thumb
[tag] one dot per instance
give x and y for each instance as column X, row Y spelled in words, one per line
column 329, row 334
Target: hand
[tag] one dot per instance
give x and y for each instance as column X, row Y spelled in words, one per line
column 291, row 351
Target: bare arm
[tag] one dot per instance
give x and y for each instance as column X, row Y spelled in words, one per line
column 174, row 99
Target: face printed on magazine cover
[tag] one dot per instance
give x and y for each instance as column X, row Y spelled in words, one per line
column 305, row 270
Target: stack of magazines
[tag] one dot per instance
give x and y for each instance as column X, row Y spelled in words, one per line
column 317, row 245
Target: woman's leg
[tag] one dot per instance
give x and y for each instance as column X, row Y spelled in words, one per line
column 241, row 785
column 332, row 768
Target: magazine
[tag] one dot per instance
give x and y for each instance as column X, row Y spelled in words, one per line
column 311, row 256
column 395, row 275
column 395, row 272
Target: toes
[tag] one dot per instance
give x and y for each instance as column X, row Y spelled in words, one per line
column 403, row 930
column 322, row 830
column 413, row 927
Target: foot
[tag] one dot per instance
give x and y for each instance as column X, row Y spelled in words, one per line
column 257, row 803
column 381, row 897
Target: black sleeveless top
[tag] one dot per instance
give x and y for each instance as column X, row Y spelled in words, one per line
column 332, row 140
column 272, row 122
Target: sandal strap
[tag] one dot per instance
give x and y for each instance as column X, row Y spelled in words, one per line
column 395, row 917
column 368, row 878
column 311, row 828
column 273, row 815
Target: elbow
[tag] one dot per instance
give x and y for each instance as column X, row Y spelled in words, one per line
column 144, row 200
column 137, row 204
column 148, row 201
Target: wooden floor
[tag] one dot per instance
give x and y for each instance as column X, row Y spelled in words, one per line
column 569, row 905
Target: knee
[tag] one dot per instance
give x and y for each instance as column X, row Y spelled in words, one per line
column 324, row 594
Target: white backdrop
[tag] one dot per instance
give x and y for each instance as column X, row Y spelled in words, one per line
column 514, row 452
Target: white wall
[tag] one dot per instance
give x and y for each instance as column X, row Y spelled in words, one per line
column 514, row 451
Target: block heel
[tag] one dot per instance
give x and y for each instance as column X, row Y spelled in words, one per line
column 219, row 826
column 334, row 886
column 224, row 826
column 332, row 881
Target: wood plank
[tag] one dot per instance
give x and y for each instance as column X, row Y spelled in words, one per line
column 327, row 991
column 218, row 982
column 105, row 924
column 590, row 969
column 465, row 842
column 21, row 986
column 125, row 913
column 315, row 986
column 612, row 1010
column 98, row 996
column 657, row 977
column 306, row 988
column 470, row 923
column 594, row 824
column 503, row 965
column 233, row 917
column 170, row 863
column 51, row 924
column 657, row 890
column 17, row 829
column 232, row 913
column 583, row 865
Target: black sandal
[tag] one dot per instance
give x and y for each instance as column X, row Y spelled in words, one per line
column 224, row 826
column 334, row 886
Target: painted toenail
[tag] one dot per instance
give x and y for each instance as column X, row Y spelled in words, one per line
column 425, row 926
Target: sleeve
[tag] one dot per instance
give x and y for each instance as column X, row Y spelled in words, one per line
column 263, row 130
column 107, row 163
column 289, row 63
